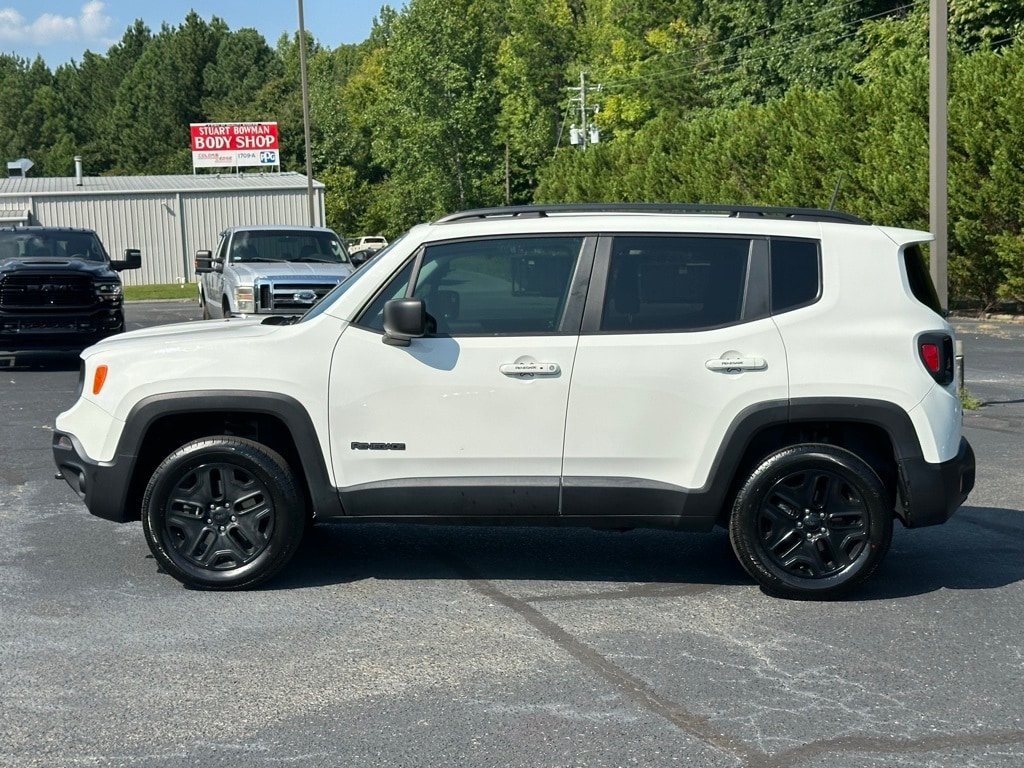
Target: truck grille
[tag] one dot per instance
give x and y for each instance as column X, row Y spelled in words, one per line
column 29, row 291
column 290, row 297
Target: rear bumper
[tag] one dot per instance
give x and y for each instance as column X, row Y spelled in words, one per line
column 103, row 486
column 931, row 493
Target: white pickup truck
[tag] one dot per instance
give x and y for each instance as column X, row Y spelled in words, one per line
column 278, row 270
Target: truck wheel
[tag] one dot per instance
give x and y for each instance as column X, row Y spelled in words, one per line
column 223, row 513
column 811, row 521
column 226, row 308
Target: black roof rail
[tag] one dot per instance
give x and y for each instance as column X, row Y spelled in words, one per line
column 736, row 211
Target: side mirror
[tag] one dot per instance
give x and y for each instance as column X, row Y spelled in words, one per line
column 132, row 260
column 204, row 262
column 404, row 320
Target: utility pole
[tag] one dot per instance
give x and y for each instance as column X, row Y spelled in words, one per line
column 938, row 148
column 305, row 115
column 586, row 132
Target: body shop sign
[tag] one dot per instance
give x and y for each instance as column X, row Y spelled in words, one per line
column 230, row 145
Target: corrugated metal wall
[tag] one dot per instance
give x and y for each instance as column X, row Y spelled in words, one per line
column 169, row 227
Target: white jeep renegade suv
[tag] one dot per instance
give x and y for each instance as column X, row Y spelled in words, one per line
column 785, row 373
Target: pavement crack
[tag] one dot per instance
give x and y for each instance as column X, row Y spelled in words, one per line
column 890, row 746
column 698, row 726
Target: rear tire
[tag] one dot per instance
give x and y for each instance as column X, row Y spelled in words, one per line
column 223, row 513
column 812, row 521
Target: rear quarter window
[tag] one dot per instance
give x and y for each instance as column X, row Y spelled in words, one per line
column 920, row 280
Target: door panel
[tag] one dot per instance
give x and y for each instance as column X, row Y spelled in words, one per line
column 648, row 406
column 676, row 344
column 470, row 419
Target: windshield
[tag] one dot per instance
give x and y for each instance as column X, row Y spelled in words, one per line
column 56, row 244
column 340, row 289
column 288, row 245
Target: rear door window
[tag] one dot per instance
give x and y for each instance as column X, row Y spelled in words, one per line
column 796, row 274
column 675, row 283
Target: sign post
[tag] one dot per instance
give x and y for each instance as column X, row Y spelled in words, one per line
column 235, row 145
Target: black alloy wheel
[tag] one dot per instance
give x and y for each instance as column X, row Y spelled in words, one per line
column 811, row 521
column 223, row 513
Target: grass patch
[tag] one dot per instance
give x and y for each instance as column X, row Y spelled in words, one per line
column 167, row 291
column 968, row 401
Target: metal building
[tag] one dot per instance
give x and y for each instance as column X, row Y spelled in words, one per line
column 168, row 218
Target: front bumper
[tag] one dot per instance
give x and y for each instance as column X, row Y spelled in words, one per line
column 929, row 494
column 102, row 485
column 41, row 331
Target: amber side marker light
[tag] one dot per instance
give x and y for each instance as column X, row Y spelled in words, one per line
column 99, row 377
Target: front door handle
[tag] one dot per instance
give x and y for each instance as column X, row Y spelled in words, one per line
column 736, row 364
column 530, row 369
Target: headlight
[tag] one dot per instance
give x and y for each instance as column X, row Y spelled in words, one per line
column 108, row 292
column 244, row 301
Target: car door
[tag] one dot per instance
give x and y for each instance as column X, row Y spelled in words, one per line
column 214, row 280
column 677, row 343
column 468, row 420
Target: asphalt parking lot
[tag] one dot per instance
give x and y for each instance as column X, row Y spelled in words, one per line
column 424, row 646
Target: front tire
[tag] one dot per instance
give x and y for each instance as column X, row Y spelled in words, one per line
column 223, row 513
column 812, row 521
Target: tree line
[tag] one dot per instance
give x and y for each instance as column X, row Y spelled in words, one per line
column 454, row 104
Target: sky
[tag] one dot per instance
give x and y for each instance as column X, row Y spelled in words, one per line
column 62, row 30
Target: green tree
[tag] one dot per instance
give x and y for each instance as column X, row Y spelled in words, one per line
column 243, row 64
column 992, row 23
column 986, row 191
column 435, row 131
column 280, row 100
column 89, row 89
column 162, row 94
column 531, row 63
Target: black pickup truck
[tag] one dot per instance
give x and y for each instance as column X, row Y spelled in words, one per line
column 59, row 289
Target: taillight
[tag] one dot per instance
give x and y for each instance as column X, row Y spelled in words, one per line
column 936, row 351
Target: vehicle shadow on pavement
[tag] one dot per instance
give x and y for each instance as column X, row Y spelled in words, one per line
column 979, row 548
column 333, row 554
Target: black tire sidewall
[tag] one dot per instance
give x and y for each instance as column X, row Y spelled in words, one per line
column 269, row 468
column 743, row 525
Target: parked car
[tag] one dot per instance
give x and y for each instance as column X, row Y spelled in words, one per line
column 370, row 242
column 58, row 288
column 279, row 270
column 784, row 373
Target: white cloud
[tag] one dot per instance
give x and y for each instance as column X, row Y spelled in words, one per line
column 50, row 26
column 93, row 21
column 12, row 24
column 91, row 25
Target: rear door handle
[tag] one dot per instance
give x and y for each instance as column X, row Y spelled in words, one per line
column 736, row 364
